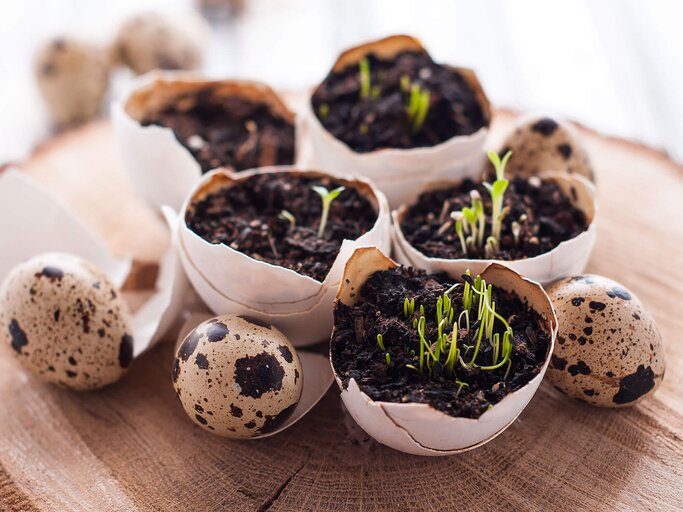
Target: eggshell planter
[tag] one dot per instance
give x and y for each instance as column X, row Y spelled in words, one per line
column 399, row 173
column 160, row 168
column 316, row 374
column 420, row 429
column 230, row 282
column 568, row 258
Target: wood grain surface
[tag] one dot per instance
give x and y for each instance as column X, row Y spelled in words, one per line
column 130, row 446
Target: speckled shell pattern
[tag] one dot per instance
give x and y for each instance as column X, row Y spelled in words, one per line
column 237, row 378
column 541, row 144
column 66, row 322
column 609, row 352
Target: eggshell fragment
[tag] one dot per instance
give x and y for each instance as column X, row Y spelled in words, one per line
column 66, row 322
column 236, row 378
column 232, row 282
column 541, row 143
column 418, row 428
column 609, row 351
column 399, row 173
column 569, row 257
column 160, row 168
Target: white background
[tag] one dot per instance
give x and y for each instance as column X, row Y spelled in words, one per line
column 614, row 65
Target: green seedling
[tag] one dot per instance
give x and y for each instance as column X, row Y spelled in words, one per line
column 326, row 196
column 323, row 111
column 365, row 78
column 417, row 107
column 380, row 342
column 289, row 217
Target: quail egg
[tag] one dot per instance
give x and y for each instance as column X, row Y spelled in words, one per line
column 237, row 378
column 65, row 321
column 609, row 352
column 73, row 77
column 150, row 41
column 540, row 144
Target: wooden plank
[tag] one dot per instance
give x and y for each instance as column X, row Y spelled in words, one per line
column 130, row 446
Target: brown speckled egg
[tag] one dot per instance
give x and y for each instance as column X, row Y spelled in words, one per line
column 540, row 144
column 236, row 378
column 66, row 321
column 608, row 352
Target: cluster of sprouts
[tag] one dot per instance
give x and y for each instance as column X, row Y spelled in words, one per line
column 417, row 104
column 460, row 333
column 326, row 196
column 471, row 222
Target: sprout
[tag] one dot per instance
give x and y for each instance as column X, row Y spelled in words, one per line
column 289, row 217
column 380, row 342
column 364, row 77
column 418, row 107
column 474, row 217
column 326, row 196
column 388, row 359
column 323, row 111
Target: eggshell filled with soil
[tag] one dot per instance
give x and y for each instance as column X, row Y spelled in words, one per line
column 609, row 351
column 230, row 281
column 567, row 258
column 419, row 428
column 237, row 378
column 66, row 321
column 398, row 172
column 161, row 167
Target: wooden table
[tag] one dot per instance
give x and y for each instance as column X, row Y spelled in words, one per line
column 130, row 446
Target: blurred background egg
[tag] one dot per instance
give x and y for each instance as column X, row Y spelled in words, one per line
column 236, row 378
column 65, row 321
column 540, row 144
column 608, row 352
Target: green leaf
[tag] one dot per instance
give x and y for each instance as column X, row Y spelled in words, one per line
column 335, row 193
column 321, row 191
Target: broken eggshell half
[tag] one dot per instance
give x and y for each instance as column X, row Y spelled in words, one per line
column 160, row 168
column 568, row 258
column 315, row 369
column 54, row 228
column 230, row 282
column 420, row 429
column 399, row 173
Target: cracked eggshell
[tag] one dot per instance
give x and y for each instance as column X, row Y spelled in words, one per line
column 160, row 168
column 236, row 378
column 420, row 429
column 399, row 173
column 65, row 321
column 541, row 143
column 569, row 257
column 231, row 282
column 609, row 351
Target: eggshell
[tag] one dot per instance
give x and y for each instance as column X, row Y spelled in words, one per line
column 66, row 322
column 399, row 173
column 569, row 257
column 609, row 352
column 418, row 428
column 237, row 378
column 316, row 375
column 541, row 143
column 232, row 282
column 160, row 168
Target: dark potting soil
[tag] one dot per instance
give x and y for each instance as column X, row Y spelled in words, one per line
column 356, row 354
column 247, row 218
column 382, row 122
column 237, row 133
column 551, row 219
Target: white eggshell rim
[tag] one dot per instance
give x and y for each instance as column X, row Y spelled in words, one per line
column 316, row 372
column 419, row 428
column 286, row 291
column 568, row 258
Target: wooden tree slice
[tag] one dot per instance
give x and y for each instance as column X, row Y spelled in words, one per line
column 130, row 446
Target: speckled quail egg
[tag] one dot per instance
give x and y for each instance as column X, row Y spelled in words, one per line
column 540, row 144
column 72, row 76
column 66, row 322
column 608, row 352
column 237, row 378
column 150, row 41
